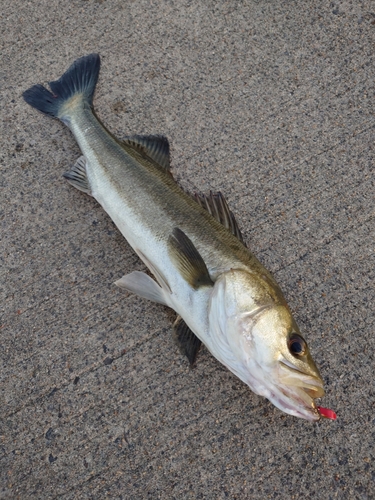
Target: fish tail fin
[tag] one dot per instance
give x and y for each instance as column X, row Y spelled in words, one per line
column 75, row 88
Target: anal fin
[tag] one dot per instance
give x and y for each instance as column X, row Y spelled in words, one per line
column 186, row 340
column 77, row 176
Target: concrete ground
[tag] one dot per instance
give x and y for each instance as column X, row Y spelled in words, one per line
column 272, row 102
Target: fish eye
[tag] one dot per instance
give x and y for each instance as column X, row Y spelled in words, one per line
column 297, row 346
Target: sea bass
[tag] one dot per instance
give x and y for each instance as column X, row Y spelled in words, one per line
column 222, row 294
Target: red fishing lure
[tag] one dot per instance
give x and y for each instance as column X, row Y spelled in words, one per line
column 326, row 413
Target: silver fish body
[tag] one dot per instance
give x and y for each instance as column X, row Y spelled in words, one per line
column 225, row 297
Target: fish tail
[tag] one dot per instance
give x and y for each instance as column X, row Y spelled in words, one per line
column 74, row 89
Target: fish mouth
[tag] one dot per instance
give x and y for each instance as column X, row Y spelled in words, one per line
column 297, row 392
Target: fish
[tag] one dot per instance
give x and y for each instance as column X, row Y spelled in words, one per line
column 192, row 245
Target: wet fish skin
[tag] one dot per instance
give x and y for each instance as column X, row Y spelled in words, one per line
column 224, row 295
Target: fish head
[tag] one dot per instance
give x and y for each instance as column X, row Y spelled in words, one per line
column 289, row 378
column 257, row 338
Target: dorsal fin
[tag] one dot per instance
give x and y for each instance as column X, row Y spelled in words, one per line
column 155, row 147
column 217, row 206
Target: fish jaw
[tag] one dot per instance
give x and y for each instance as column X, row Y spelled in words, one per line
column 292, row 395
column 292, row 392
column 294, row 404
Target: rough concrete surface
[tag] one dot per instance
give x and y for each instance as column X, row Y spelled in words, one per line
column 272, row 102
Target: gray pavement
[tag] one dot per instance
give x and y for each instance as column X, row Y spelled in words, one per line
column 272, row 103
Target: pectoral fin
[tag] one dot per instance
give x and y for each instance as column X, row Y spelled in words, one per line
column 188, row 260
column 186, row 340
column 77, row 177
column 141, row 284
